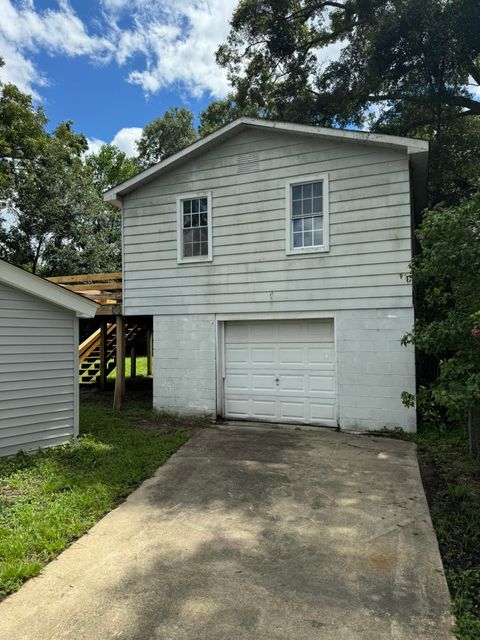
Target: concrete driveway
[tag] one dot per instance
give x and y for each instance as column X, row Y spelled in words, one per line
column 253, row 534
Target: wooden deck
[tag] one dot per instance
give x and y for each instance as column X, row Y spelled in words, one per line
column 104, row 288
column 105, row 348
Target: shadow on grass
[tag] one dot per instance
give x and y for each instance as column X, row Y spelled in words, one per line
column 51, row 497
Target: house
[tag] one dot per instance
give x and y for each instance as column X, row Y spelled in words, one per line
column 269, row 255
column 38, row 360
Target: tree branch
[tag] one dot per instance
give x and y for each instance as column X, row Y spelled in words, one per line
column 454, row 101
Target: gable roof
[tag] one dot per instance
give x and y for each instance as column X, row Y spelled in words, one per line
column 418, row 149
column 34, row 285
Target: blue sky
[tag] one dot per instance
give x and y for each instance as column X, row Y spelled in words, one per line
column 113, row 65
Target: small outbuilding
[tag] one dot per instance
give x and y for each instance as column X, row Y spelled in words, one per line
column 38, row 360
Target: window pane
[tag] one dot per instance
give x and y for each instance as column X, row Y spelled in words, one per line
column 196, row 249
column 317, row 205
column 204, row 249
column 317, row 189
column 307, row 206
column 187, row 250
column 297, row 208
column 308, row 239
column 307, row 191
column 203, row 204
column 194, row 206
column 297, row 192
column 187, row 208
column 297, row 240
column 196, row 235
column 318, row 223
column 187, row 235
column 203, row 219
column 298, row 224
column 307, row 224
column 187, row 221
column 203, row 235
column 195, row 219
column 318, row 238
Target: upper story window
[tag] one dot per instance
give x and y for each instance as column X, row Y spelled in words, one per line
column 194, row 227
column 307, row 214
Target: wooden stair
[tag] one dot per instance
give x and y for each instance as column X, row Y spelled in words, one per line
column 89, row 352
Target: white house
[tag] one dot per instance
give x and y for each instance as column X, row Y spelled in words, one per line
column 38, row 360
column 269, row 255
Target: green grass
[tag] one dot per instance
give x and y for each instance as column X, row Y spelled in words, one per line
column 452, row 483
column 50, row 498
column 141, row 368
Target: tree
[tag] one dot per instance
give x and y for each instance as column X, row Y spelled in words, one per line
column 445, row 273
column 405, row 66
column 110, row 166
column 22, row 134
column 222, row 112
column 165, row 136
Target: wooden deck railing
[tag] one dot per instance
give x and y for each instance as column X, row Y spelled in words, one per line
column 104, row 288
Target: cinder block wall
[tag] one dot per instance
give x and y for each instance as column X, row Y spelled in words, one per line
column 184, row 353
column 373, row 368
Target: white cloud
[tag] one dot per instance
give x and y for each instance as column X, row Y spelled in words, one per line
column 174, row 39
column 125, row 140
column 94, row 145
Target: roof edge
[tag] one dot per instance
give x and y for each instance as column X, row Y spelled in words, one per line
column 409, row 145
column 51, row 292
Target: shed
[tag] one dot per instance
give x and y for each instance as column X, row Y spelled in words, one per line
column 39, row 399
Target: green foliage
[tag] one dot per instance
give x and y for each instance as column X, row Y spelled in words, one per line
column 165, row 136
column 222, row 112
column 56, row 221
column 110, row 166
column 405, row 68
column 445, row 274
column 50, row 498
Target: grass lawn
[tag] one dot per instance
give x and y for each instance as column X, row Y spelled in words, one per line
column 50, row 498
column 452, row 483
column 141, row 368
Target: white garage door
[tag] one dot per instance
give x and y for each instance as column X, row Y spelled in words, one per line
column 280, row 371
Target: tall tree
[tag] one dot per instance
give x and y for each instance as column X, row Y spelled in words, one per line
column 110, row 166
column 405, row 66
column 165, row 136
column 222, row 112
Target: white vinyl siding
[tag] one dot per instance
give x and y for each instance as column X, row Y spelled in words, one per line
column 369, row 229
column 38, row 376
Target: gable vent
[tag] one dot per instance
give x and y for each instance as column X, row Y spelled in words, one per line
column 247, row 162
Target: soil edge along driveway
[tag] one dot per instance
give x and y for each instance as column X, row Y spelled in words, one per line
column 253, row 534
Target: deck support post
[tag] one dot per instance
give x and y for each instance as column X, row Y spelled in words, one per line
column 149, row 351
column 120, row 363
column 103, row 354
column 133, row 363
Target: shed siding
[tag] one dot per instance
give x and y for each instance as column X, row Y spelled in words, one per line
column 370, row 237
column 37, row 372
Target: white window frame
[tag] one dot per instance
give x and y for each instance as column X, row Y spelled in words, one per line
column 321, row 177
column 180, row 199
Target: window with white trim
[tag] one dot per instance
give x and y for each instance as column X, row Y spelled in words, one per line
column 194, row 217
column 307, row 215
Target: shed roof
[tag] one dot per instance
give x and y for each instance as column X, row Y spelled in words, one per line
column 34, row 285
column 418, row 149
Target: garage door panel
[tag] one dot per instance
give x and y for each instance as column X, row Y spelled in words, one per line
column 319, row 411
column 321, row 384
column 263, row 409
column 237, row 355
column 262, row 357
column 321, row 356
column 262, row 382
column 293, row 411
column 283, row 371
